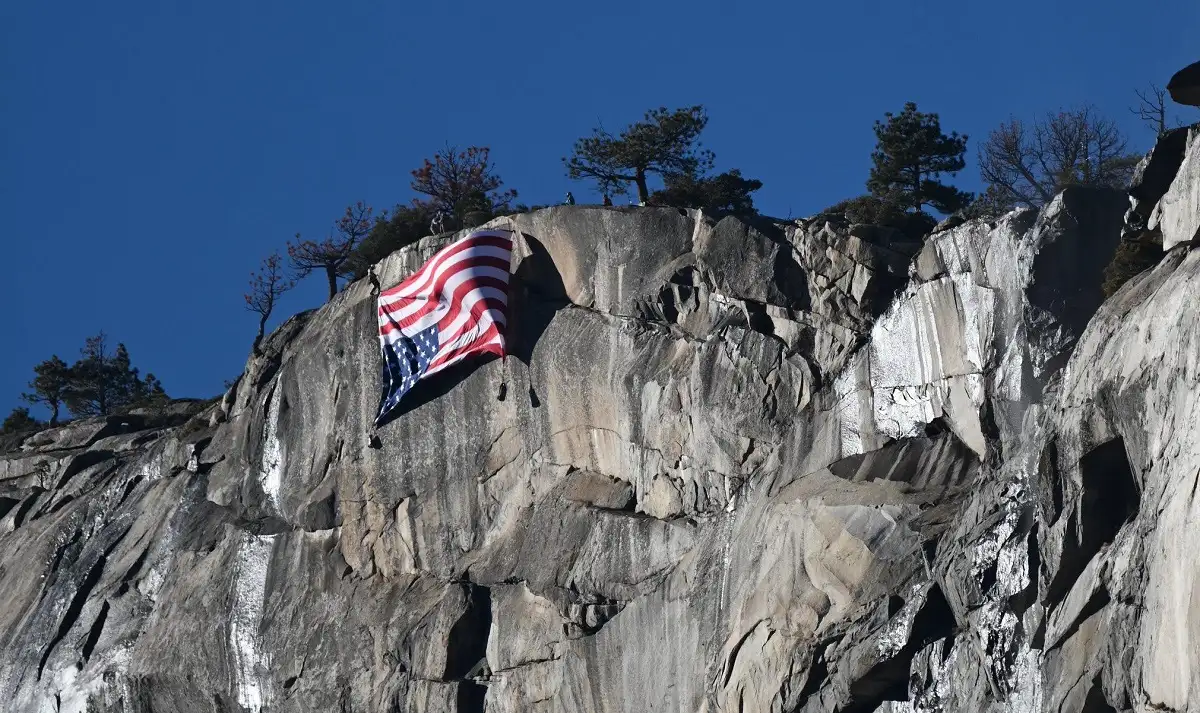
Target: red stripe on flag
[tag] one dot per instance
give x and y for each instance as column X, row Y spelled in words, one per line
column 436, row 261
column 437, row 288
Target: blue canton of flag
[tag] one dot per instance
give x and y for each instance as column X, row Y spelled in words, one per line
column 405, row 362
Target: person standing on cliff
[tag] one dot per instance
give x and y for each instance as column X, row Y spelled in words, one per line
column 570, row 199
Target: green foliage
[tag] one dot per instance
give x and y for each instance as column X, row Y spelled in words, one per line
column 1131, row 258
column 19, row 420
column 51, row 382
column 405, row 225
column 665, row 142
column 724, row 193
column 872, row 210
column 460, row 182
column 910, row 154
column 103, row 383
column 989, row 205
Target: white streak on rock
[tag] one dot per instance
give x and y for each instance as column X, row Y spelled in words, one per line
column 271, row 469
column 250, row 662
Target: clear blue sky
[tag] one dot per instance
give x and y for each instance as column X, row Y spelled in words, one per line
column 153, row 152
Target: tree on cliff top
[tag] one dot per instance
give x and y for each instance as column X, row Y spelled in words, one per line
column 266, row 287
column 102, row 383
column 665, row 142
column 19, row 420
column 51, row 381
column 331, row 254
column 728, row 192
column 910, row 154
column 459, row 182
column 1029, row 165
column 403, row 225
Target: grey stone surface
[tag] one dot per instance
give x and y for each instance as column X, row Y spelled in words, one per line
column 739, row 467
column 1177, row 214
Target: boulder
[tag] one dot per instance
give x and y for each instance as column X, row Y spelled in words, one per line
column 1184, row 86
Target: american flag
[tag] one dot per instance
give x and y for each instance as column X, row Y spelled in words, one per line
column 453, row 307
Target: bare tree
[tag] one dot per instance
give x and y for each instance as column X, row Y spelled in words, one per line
column 1152, row 108
column 332, row 253
column 266, row 287
column 1029, row 165
column 461, row 181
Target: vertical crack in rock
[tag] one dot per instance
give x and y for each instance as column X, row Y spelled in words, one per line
column 466, row 645
column 251, row 662
column 75, row 608
column 93, row 637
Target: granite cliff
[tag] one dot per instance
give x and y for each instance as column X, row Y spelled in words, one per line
column 738, row 467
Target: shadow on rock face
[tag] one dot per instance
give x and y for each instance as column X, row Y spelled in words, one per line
column 536, row 293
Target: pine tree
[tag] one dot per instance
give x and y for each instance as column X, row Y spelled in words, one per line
column 665, row 142
column 19, row 420
column 728, row 192
column 50, row 385
column 910, row 154
column 102, row 383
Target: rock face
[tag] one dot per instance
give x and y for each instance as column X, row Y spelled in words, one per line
column 768, row 467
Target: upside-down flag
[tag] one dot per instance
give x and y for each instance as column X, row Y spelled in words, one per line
column 454, row 307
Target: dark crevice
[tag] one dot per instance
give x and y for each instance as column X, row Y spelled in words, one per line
column 818, row 672
column 888, row 679
column 74, row 609
column 1109, row 498
column 1049, row 471
column 62, row 502
column 80, row 599
column 988, row 579
column 1095, row 701
column 59, row 554
column 470, row 697
column 25, row 507
column 93, row 636
column 128, row 577
column 133, row 483
column 937, row 427
column 7, row 504
column 934, row 621
column 1099, row 599
column 467, row 642
column 733, row 654
column 758, row 319
column 1022, row 600
column 80, row 463
column 930, row 548
column 895, row 604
